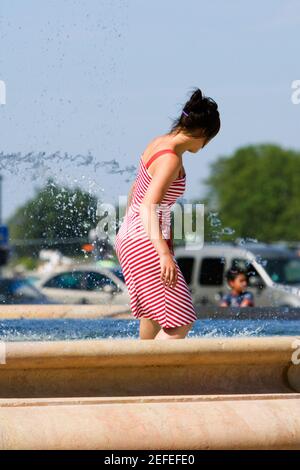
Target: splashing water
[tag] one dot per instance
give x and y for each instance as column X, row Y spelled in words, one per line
column 75, row 329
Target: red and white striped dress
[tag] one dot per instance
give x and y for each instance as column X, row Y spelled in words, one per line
column 149, row 296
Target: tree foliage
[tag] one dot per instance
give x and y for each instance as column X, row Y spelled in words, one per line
column 255, row 192
column 54, row 214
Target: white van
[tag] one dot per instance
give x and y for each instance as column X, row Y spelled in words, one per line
column 274, row 272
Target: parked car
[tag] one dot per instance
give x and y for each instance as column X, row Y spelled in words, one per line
column 117, row 270
column 85, row 284
column 21, row 291
column 274, row 273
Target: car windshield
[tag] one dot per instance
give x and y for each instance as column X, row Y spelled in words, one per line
column 283, row 270
column 22, row 287
column 118, row 272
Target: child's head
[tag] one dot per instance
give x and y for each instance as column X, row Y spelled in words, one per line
column 237, row 279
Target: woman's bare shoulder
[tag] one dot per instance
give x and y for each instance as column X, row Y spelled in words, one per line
column 155, row 145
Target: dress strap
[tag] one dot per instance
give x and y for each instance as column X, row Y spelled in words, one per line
column 157, row 154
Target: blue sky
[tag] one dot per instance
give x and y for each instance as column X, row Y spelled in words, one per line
column 93, row 81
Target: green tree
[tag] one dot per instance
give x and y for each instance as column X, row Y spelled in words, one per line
column 256, row 192
column 55, row 216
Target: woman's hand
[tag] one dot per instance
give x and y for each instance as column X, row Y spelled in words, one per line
column 168, row 270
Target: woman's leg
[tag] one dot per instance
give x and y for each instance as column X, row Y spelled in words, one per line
column 178, row 332
column 148, row 328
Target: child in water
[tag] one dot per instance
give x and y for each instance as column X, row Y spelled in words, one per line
column 238, row 296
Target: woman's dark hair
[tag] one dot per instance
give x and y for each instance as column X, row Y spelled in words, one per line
column 232, row 273
column 199, row 117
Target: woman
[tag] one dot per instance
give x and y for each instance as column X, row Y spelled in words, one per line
column 159, row 295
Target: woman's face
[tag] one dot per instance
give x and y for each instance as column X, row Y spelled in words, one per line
column 198, row 143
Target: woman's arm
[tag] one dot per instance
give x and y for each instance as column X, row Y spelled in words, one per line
column 159, row 184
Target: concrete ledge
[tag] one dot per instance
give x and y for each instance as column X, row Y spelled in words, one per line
column 132, row 352
column 64, row 311
column 249, row 313
column 220, row 393
column 149, row 367
column 123, row 311
column 189, row 422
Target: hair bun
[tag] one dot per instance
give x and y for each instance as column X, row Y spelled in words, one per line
column 199, row 103
column 196, row 100
column 211, row 104
column 199, row 117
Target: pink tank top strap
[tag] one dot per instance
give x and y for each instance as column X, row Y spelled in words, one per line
column 157, row 154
